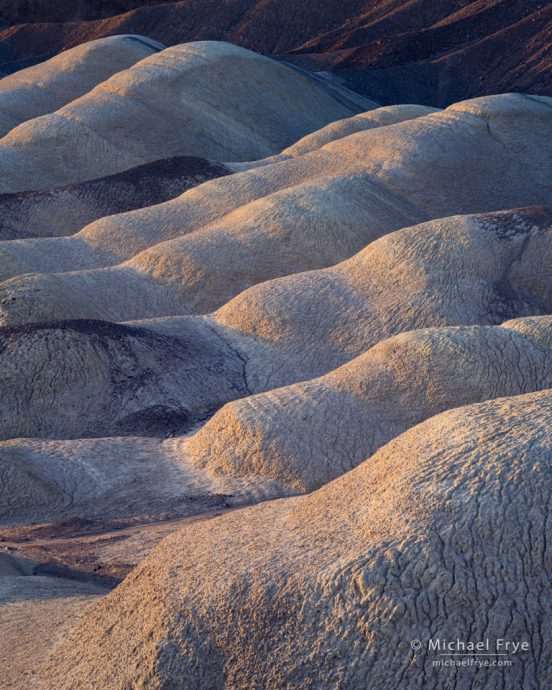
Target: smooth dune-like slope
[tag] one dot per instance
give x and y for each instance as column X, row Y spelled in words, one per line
column 479, row 269
column 309, row 433
column 66, row 210
column 50, row 85
column 443, row 533
column 309, row 212
column 34, row 610
column 379, row 117
column 226, row 103
column 85, row 378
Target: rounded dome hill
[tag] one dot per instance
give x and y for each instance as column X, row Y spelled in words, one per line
column 441, row 534
column 208, row 99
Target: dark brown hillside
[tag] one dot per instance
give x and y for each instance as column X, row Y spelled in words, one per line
column 428, row 51
column 23, row 11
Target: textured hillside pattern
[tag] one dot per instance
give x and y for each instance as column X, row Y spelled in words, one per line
column 424, row 51
column 355, row 409
column 49, row 86
column 275, row 359
column 289, row 440
column 71, row 373
column 442, row 533
column 62, row 211
column 193, row 254
column 226, row 104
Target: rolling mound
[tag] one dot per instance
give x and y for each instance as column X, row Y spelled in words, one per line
column 98, row 378
column 379, row 117
column 305, row 213
column 288, row 440
column 65, row 210
column 52, row 84
column 437, row 51
column 456, row 271
column 46, row 601
column 226, row 103
column 309, row 433
column 120, row 238
column 441, row 534
column 230, row 278
column 480, row 269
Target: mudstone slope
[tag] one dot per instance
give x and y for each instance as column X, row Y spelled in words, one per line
column 442, row 533
column 217, row 240
column 223, row 280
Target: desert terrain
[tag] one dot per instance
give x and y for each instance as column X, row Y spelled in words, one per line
column 275, row 345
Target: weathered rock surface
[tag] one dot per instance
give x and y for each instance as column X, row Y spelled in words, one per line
column 112, row 479
column 481, row 269
column 66, row 210
column 195, row 348
column 50, row 85
column 301, row 214
column 160, row 375
column 309, row 433
column 288, row 440
column 443, row 534
column 110, row 240
column 34, row 610
column 85, row 378
column 379, row 117
column 440, row 52
column 226, row 103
